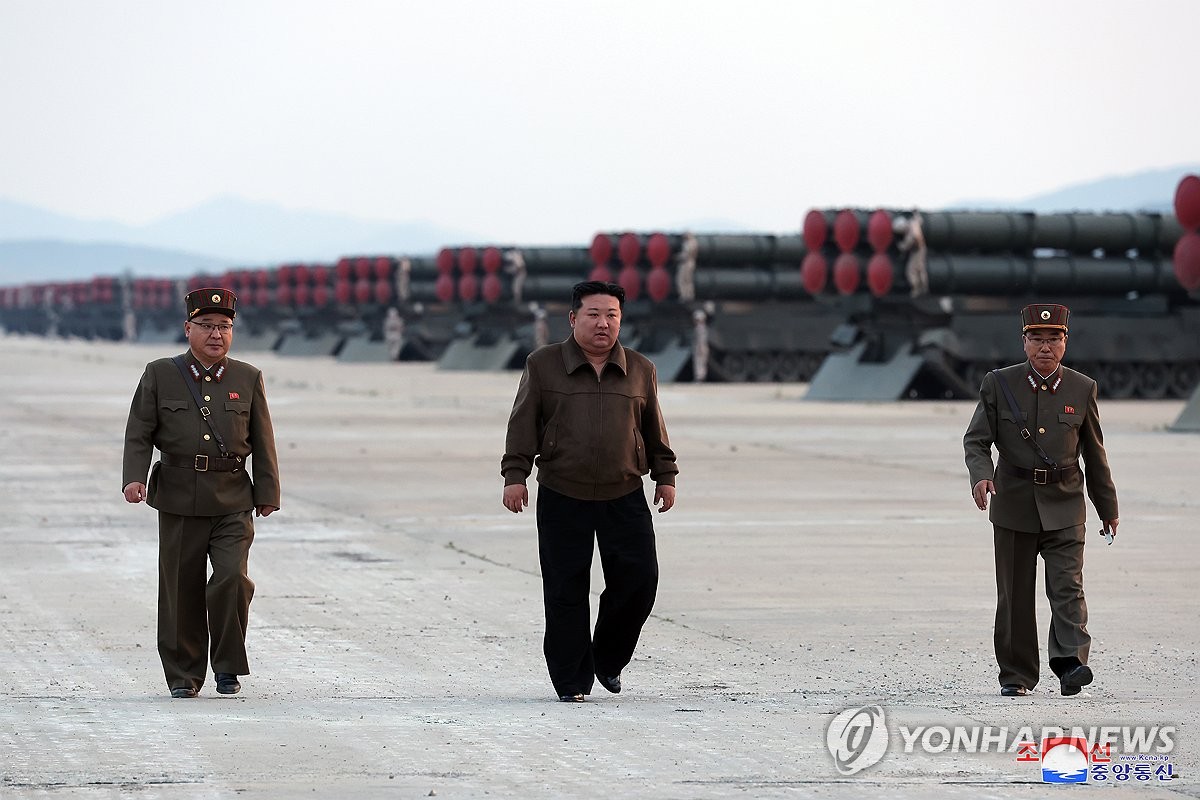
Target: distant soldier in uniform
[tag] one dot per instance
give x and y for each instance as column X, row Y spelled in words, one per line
column 404, row 280
column 587, row 410
column 393, row 333
column 1037, row 491
column 685, row 276
column 541, row 327
column 699, row 346
column 916, row 270
column 516, row 268
column 207, row 415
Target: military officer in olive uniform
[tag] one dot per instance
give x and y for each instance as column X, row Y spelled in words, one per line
column 1037, row 498
column 207, row 415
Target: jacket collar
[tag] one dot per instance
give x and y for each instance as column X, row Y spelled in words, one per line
column 574, row 358
column 1035, row 381
column 198, row 370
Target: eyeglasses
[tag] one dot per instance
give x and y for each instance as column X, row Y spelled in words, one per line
column 1038, row 341
column 223, row 328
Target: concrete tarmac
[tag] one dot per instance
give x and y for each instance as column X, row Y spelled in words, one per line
column 821, row 557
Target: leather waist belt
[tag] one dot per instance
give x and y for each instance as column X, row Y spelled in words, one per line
column 203, row 463
column 1040, row 476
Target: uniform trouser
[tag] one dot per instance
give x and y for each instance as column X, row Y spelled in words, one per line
column 624, row 531
column 1016, row 621
column 188, row 610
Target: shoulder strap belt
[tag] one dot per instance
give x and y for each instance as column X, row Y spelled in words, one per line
column 204, row 410
column 1020, row 419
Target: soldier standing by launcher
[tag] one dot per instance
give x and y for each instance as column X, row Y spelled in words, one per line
column 206, row 414
column 587, row 410
column 1041, row 417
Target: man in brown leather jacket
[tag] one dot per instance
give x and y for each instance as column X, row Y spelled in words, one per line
column 587, row 410
column 203, row 492
column 1037, row 498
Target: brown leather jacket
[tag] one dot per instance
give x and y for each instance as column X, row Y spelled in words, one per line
column 593, row 438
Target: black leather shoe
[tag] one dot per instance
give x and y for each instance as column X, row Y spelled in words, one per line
column 186, row 691
column 1075, row 679
column 1013, row 690
column 227, row 683
column 571, row 698
column 613, row 683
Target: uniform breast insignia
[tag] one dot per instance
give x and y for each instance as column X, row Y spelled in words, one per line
column 236, row 396
column 1068, row 409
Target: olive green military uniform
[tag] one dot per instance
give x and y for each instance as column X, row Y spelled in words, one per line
column 205, row 504
column 1040, row 512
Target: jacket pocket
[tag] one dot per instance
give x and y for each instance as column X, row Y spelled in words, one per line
column 549, row 441
column 174, row 405
column 639, row 446
column 1006, row 414
column 1074, row 420
column 238, row 413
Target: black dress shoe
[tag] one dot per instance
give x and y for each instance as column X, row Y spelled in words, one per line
column 571, row 698
column 227, row 683
column 1013, row 690
column 186, row 691
column 613, row 683
column 1075, row 679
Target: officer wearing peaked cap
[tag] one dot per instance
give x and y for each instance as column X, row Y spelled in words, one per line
column 207, row 415
column 1042, row 419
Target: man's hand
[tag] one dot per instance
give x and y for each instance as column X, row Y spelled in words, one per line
column 135, row 492
column 265, row 511
column 516, row 497
column 981, row 492
column 1111, row 524
column 666, row 495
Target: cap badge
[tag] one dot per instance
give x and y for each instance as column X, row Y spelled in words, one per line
column 1045, row 312
column 216, row 298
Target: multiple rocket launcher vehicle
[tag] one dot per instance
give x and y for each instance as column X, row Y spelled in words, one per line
column 865, row 305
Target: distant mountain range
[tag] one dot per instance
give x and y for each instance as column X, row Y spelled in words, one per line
column 225, row 232
column 1149, row 190
column 231, row 232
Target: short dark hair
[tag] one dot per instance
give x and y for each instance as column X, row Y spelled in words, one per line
column 582, row 290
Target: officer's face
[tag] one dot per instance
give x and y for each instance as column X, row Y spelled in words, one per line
column 1044, row 347
column 597, row 324
column 209, row 345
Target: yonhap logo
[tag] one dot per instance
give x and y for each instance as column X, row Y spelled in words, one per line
column 857, row 738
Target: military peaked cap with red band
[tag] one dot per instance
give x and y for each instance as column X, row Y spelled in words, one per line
column 1045, row 315
column 211, row 301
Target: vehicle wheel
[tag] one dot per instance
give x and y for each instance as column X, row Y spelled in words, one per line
column 789, row 367
column 735, row 366
column 1153, row 380
column 1117, row 380
column 1184, row 378
column 762, row 367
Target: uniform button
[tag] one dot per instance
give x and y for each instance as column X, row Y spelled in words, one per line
column 207, row 437
column 1043, row 387
column 209, row 378
column 207, row 398
column 1041, row 430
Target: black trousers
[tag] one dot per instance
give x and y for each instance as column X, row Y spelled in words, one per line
column 624, row 530
column 191, row 608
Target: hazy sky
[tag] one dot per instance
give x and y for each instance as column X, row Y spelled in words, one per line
column 548, row 121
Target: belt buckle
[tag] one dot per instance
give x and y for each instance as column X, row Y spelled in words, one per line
column 1041, row 476
column 198, row 462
